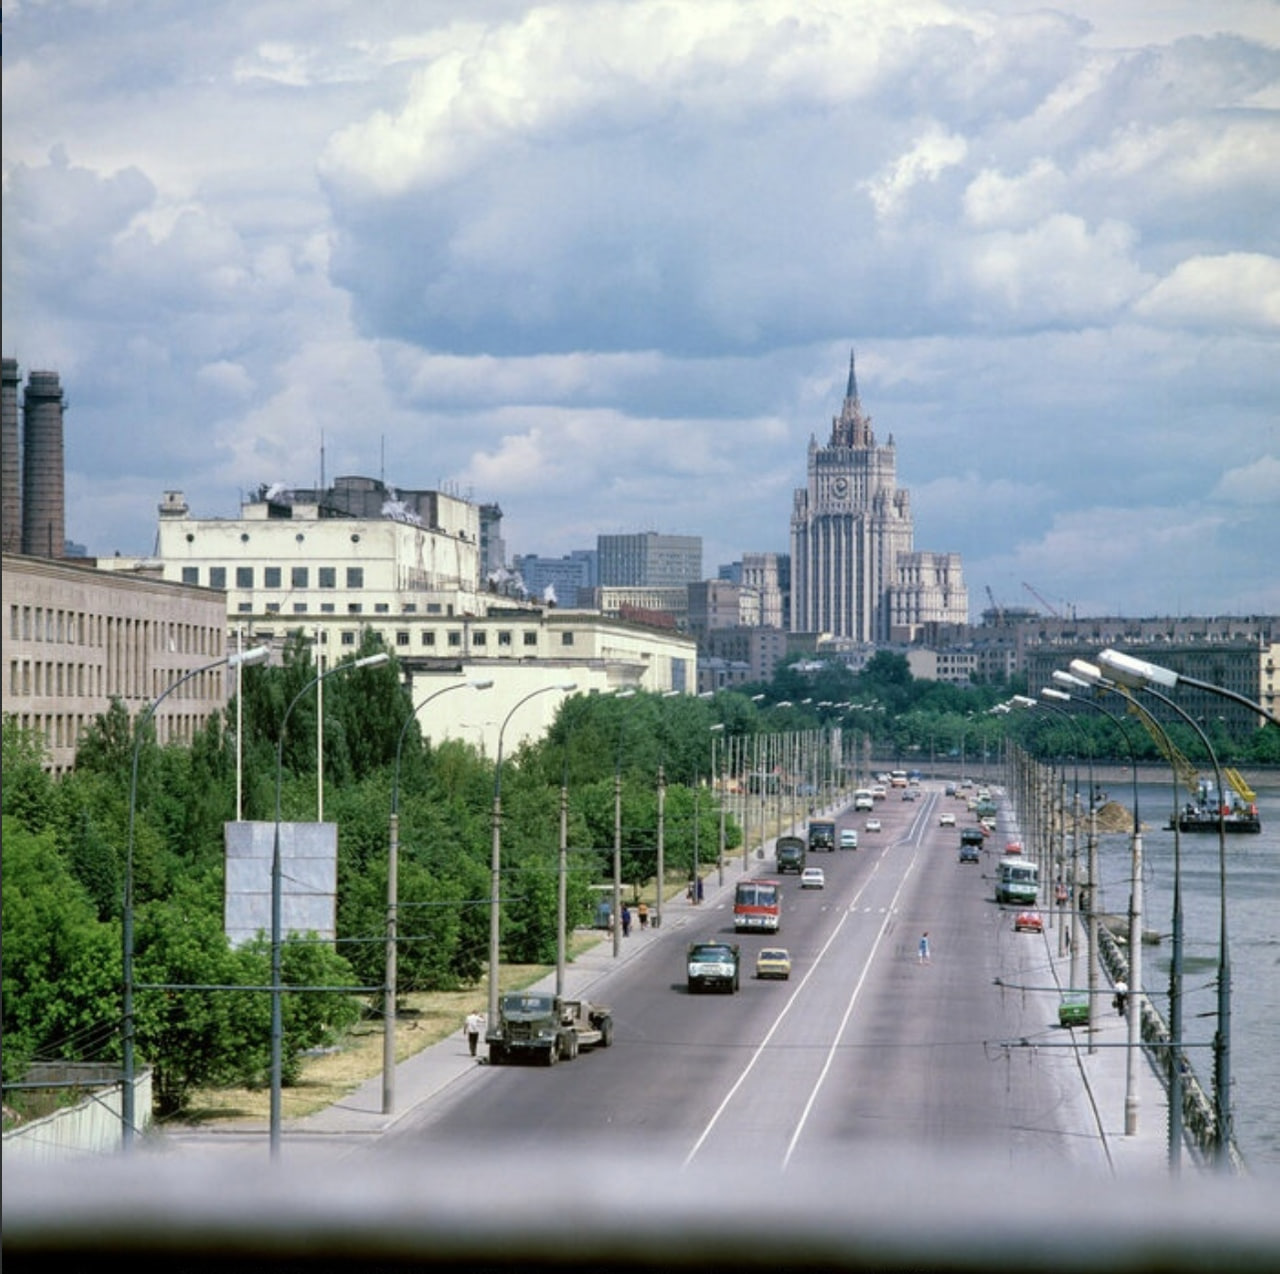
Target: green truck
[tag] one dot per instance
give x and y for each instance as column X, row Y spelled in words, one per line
column 542, row 1026
column 713, row 966
column 789, row 854
column 822, row 835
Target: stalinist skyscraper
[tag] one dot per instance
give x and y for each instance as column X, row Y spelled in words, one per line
column 854, row 574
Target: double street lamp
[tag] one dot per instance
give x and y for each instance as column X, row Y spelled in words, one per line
column 1140, row 674
column 495, row 862
column 393, row 902
column 277, row 890
column 128, row 1067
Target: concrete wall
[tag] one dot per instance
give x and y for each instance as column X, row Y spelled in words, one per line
column 93, row 1126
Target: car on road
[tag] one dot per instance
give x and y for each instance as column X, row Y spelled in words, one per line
column 1073, row 1009
column 970, row 853
column 1013, row 847
column 908, row 794
column 873, row 824
column 1028, row 922
column 947, row 819
column 813, row 878
column 773, row 962
column 849, row 838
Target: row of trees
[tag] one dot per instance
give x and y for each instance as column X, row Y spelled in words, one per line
column 65, row 842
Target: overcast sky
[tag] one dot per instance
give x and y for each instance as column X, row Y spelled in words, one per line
column 603, row 263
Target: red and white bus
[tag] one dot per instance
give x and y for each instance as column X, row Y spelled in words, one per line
column 757, row 906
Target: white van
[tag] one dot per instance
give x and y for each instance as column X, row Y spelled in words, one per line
column 863, row 800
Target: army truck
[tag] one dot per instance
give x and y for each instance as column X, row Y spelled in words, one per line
column 540, row 1025
column 713, row 966
column 822, row 835
column 790, row 854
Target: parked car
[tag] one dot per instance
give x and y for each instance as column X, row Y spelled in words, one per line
column 873, row 824
column 849, row 838
column 773, row 962
column 947, row 819
column 813, row 878
column 1028, row 922
column 1073, row 1009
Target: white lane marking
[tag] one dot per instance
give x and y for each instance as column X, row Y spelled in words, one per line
column 791, row 999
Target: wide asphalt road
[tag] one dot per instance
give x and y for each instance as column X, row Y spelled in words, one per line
column 864, row 1047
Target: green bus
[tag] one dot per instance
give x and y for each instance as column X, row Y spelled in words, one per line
column 1017, row 881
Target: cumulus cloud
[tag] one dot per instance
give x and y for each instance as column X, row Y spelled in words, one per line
column 1238, row 289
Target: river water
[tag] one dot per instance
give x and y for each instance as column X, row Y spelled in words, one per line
column 1253, row 901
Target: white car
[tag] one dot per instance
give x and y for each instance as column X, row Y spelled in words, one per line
column 947, row 820
column 873, row 824
column 813, row 878
column 848, row 838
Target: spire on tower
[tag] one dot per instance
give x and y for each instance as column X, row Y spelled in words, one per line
column 852, row 427
column 851, row 391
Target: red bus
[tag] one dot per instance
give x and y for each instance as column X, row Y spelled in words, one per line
column 757, row 906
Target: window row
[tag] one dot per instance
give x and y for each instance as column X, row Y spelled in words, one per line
column 85, row 628
column 39, row 678
column 273, row 576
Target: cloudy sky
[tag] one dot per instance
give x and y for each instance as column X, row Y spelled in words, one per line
column 603, row 263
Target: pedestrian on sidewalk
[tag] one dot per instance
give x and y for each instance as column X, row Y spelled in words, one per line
column 924, row 947
column 475, row 1024
column 626, row 921
column 643, row 912
column 1121, row 1000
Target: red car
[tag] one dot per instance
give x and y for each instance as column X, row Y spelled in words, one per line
column 1013, row 847
column 1028, row 922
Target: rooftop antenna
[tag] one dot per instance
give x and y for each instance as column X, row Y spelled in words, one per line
column 322, row 464
column 382, row 459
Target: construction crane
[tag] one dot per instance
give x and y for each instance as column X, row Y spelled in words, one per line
column 995, row 605
column 1044, row 601
column 1187, row 772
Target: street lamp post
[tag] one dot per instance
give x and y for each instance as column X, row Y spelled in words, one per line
column 718, row 728
column 495, row 859
column 1090, row 675
column 277, row 1010
column 1134, row 1015
column 393, row 902
column 1123, row 669
column 128, row 1067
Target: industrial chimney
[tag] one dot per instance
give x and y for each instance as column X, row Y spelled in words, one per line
column 43, row 497
column 12, row 490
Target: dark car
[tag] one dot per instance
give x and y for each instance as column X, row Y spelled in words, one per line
column 970, row 853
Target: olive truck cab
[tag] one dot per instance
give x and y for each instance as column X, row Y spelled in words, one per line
column 541, row 1025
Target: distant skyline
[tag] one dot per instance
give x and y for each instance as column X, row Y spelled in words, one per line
column 601, row 262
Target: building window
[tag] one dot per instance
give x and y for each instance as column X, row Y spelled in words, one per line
column 410, row 608
column 327, row 608
column 270, row 577
column 299, row 608
column 328, row 576
column 245, row 608
column 433, row 608
column 217, row 577
column 348, row 637
column 504, row 638
column 191, row 575
column 402, row 637
column 299, row 577
column 566, row 639
column 478, row 639
column 355, row 576
column 428, row 639
column 531, row 638
column 354, row 608
column 455, row 637
column 382, row 608
column 273, row 608
column 244, row 576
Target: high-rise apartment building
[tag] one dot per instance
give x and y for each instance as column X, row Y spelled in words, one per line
column 854, row 573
